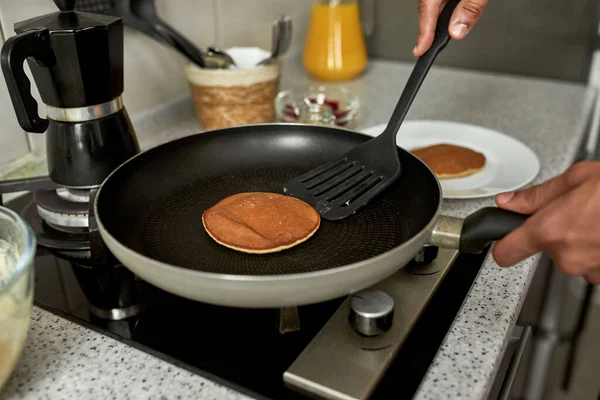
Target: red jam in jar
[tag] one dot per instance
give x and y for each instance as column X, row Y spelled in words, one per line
column 290, row 112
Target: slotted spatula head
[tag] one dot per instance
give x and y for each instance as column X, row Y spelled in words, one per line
column 340, row 188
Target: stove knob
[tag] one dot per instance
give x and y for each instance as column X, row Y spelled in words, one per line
column 371, row 312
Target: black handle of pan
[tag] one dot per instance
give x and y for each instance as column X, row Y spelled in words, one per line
column 486, row 226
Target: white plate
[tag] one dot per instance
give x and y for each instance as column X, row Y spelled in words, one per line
column 510, row 164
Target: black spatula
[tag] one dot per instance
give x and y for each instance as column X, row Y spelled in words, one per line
column 142, row 15
column 341, row 187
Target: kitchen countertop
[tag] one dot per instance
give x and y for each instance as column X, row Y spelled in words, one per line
column 65, row 360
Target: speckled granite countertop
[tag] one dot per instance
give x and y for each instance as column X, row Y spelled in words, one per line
column 65, row 360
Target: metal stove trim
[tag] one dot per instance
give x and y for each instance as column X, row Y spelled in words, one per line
column 116, row 314
column 340, row 364
column 57, row 220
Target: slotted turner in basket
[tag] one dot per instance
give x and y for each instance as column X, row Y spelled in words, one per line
column 341, row 187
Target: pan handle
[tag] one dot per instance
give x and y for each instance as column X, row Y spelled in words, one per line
column 473, row 234
column 486, row 226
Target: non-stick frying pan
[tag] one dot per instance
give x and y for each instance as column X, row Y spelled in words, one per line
column 149, row 213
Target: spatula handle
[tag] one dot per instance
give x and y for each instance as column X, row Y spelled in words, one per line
column 424, row 63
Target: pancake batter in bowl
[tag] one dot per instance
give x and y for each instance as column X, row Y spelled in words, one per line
column 15, row 310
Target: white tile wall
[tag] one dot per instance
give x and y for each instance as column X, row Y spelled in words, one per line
column 154, row 73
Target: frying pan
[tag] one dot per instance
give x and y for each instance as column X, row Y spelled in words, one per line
column 149, row 213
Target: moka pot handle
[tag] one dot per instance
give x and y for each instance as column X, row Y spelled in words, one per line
column 35, row 44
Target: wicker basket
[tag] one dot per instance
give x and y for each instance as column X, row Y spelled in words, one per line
column 226, row 98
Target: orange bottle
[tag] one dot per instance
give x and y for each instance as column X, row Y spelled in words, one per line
column 335, row 46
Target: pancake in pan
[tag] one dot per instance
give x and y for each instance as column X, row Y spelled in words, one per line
column 260, row 223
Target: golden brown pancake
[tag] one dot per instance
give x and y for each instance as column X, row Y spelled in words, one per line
column 450, row 161
column 259, row 223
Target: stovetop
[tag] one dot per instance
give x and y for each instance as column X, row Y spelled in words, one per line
column 240, row 348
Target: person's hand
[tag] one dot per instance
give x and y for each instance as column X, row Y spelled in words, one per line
column 464, row 17
column 564, row 222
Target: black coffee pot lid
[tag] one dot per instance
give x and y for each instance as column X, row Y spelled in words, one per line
column 67, row 21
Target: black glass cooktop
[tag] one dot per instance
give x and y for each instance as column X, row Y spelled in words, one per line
column 242, row 349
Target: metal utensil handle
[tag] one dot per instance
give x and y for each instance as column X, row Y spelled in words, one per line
column 275, row 43
column 287, row 41
column 424, row 63
column 276, row 33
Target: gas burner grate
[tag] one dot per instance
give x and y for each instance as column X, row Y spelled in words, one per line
column 63, row 209
column 51, row 238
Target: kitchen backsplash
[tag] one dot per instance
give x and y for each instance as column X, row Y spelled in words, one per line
column 153, row 73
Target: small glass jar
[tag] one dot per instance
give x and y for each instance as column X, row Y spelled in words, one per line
column 343, row 104
column 316, row 114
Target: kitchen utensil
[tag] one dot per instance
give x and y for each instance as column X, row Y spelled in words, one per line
column 286, row 38
column 149, row 213
column 229, row 61
column 142, row 15
column 76, row 60
column 146, row 10
column 335, row 47
column 17, row 250
column 281, row 39
column 510, row 164
column 214, row 60
column 339, row 188
column 275, row 38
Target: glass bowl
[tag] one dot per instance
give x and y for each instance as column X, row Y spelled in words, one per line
column 17, row 250
column 342, row 102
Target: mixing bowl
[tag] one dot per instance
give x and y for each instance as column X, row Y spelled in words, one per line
column 17, row 250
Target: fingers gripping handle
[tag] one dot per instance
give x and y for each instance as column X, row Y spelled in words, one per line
column 486, row 226
column 442, row 36
column 33, row 43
